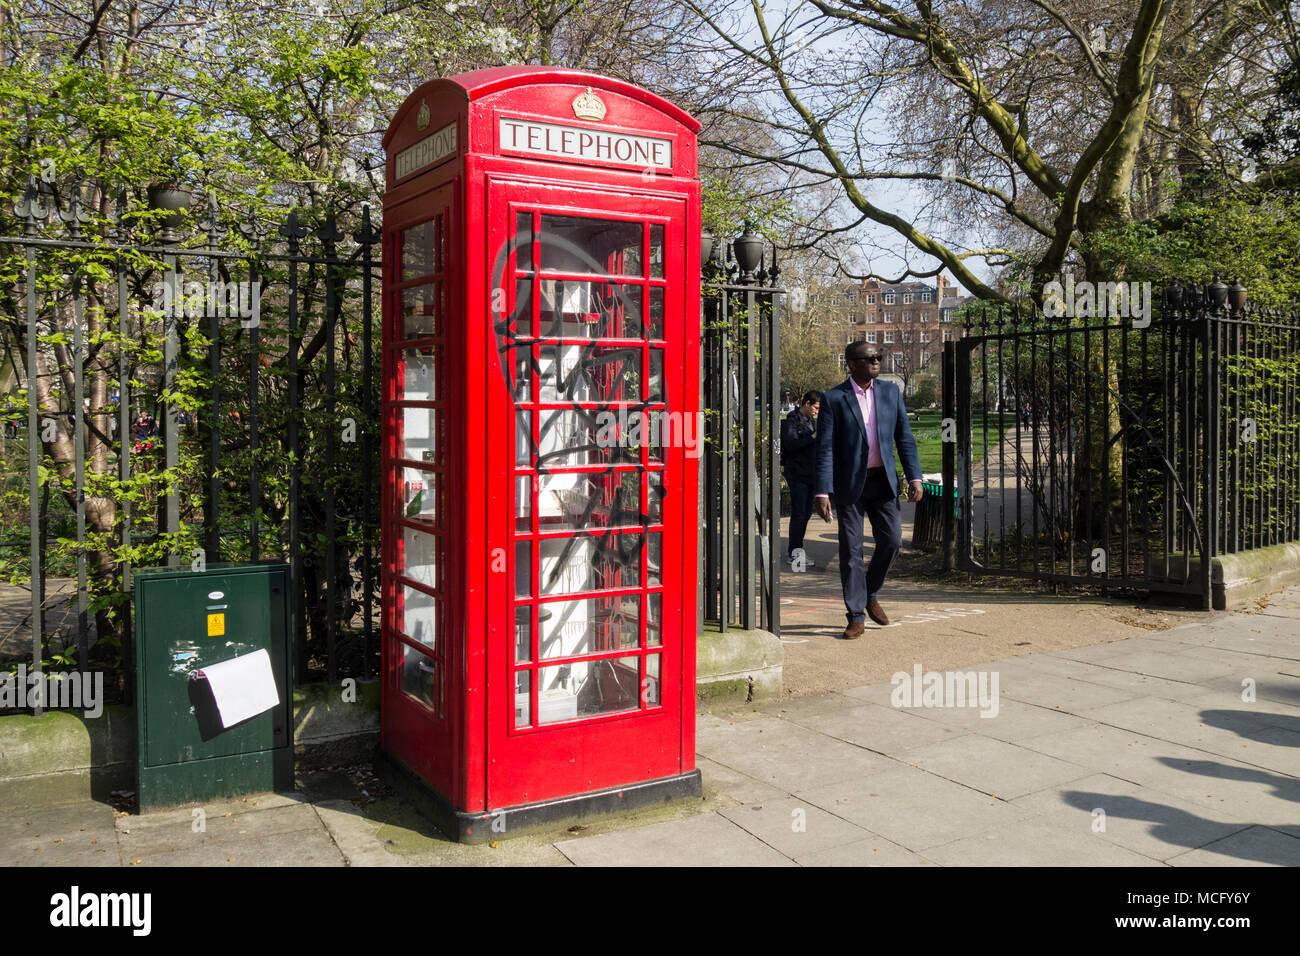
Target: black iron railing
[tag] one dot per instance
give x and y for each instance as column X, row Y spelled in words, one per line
column 200, row 403
column 741, row 510
column 1124, row 450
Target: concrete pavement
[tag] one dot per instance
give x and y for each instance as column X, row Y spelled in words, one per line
column 1164, row 747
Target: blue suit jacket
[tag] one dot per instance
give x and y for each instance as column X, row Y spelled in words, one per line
column 842, row 450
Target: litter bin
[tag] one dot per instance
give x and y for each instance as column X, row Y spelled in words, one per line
column 214, row 707
column 927, row 523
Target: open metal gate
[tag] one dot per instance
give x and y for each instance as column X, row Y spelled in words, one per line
column 1085, row 449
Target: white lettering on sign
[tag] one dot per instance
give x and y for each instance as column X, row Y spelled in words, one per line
column 434, row 147
column 571, row 142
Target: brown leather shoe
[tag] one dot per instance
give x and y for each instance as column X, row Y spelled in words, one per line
column 877, row 614
column 853, row 631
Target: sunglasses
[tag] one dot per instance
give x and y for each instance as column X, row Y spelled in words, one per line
column 865, row 358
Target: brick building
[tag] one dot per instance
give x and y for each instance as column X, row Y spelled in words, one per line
column 907, row 321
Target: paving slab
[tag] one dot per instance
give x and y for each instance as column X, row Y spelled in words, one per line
column 913, row 808
column 1259, row 634
column 1114, row 674
column 1015, row 720
column 1035, row 843
column 1187, row 635
column 92, row 848
column 181, row 829
column 1277, row 640
column 62, row 821
column 996, row 767
column 873, row 851
column 1242, row 663
column 1227, row 732
column 705, row 840
column 299, row 848
column 1160, row 662
column 885, row 730
column 517, row 852
column 1094, row 652
column 793, row 827
column 786, row 755
column 792, row 708
column 72, row 855
column 74, row 835
column 1257, row 846
column 733, row 784
column 1289, row 608
column 407, row 838
column 356, row 836
column 1059, row 693
column 1226, row 695
column 1156, row 825
column 1237, row 791
column 878, row 694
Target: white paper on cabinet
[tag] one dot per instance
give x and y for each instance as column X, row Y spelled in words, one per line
column 243, row 687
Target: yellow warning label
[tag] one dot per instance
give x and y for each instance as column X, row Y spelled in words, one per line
column 216, row 625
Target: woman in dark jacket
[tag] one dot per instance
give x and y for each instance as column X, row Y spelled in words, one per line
column 799, row 462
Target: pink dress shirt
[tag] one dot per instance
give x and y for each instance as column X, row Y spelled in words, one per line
column 867, row 403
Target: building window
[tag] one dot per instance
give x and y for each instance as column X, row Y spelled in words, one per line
column 871, row 337
column 889, row 338
column 853, row 318
column 907, row 298
column 851, row 295
column 841, row 359
column 925, row 317
column 898, row 361
column 889, row 298
column 889, row 317
column 862, row 336
column 871, row 298
column 907, row 316
column 925, row 360
column 947, row 315
column 925, row 297
column 849, row 340
column 947, row 335
column 925, row 336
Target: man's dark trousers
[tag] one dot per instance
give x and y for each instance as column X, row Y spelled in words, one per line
column 880, row 506
column 801, row 504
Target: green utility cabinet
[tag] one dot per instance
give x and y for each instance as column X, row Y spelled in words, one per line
column 186, row 620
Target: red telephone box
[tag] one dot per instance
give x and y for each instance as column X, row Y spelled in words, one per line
column 541, row 441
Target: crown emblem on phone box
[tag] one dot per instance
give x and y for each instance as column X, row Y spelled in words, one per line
column 589, row 106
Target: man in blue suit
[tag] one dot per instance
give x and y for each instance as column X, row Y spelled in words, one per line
column 861, row 421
